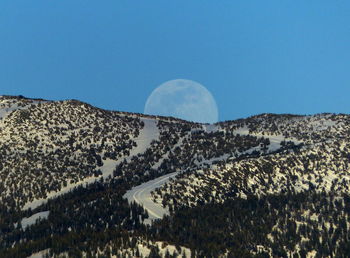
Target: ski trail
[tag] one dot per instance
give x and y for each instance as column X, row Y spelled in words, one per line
column 147, row 134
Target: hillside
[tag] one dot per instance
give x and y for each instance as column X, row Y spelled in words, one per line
column 313, row 153
column 77, row 180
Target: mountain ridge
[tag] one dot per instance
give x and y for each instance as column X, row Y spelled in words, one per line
column 19, row 97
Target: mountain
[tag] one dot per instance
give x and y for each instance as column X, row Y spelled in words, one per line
column 79, row 181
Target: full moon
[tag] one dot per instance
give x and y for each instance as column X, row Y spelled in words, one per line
column 184, row 99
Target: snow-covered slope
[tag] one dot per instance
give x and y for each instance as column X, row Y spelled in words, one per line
column 147, row 134
column 303, row 153
column 67, row 144
column 51, row 150
column 50, row 147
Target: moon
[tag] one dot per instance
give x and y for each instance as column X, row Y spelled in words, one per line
column 184, row 99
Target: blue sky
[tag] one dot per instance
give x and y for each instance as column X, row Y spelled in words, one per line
column 254, row 56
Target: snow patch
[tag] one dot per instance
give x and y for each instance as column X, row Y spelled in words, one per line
column 40, row 254
column 26, row 222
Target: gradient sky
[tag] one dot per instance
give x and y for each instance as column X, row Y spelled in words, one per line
column 254, row 56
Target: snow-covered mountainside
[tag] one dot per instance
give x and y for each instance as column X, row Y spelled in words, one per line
column 44, row 146
column 79, row 180
column 312, row 153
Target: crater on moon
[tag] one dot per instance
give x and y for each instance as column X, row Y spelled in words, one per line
column 184, row 99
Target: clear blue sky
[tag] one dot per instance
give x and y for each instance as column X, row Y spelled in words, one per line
column 254, row 56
